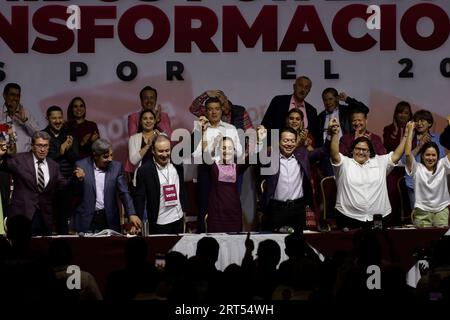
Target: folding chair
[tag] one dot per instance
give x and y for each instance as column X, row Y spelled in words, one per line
column 329, row 190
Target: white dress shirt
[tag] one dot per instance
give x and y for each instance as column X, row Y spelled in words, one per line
column 100, row 176
column 361, row 188
column 168, row 175
column 431, row 189
column 289, row 186
column 44, row 167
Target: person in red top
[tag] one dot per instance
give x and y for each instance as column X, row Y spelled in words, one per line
column 359, row 128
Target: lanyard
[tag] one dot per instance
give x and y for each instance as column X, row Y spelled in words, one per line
column 165, row 177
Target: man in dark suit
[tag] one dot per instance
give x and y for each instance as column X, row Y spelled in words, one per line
column 333, row 109
column 36, row 179
column 343, row 112
column 98, row 188
column 289, row 190
column 275, row 116
column 160, row 189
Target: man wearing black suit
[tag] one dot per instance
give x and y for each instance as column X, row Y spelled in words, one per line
column 275, row 116
column 333, row 109
column 160, row 190
column 343, row 112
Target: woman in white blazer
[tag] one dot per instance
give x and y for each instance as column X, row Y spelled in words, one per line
column 139, row 145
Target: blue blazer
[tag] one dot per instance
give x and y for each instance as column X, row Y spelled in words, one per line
column 115, row 185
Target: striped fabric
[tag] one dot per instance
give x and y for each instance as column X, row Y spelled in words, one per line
column 41, row 179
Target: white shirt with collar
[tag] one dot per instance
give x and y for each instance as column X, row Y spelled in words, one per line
column 99, row 176
column 226, row 130
column 361, row 188
column 290, row 180
column 168, row 175
column 431, row 188
column 44, row 167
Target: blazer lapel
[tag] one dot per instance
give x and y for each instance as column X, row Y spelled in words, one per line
column 90, row 174
column 30, row 169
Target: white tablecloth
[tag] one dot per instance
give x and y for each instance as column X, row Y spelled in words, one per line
column 232, row 247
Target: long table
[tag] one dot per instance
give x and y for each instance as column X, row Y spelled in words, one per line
column 102, row 255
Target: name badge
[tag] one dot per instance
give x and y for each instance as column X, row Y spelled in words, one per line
column 170, row 195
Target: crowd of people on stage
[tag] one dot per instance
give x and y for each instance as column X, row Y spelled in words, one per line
column 63, row 177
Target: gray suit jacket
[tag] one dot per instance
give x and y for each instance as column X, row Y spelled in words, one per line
column 115, row 185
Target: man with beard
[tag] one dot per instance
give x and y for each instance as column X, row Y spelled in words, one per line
column 64, row 150
column 98, row 188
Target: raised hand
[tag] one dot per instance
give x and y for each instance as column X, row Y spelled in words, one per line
column 158, row 112
column 342, row 96
column 249, row 244
column 20, row 113
column 333, row 126
column 261, row 133
column 203, row 121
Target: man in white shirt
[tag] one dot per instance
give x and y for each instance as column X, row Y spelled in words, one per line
column 160, row 190
column 14, row 115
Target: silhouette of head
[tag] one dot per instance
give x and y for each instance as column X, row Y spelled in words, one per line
column 208, row 248
column 269, row 254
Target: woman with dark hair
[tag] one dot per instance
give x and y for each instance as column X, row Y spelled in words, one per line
column 392, row 135
column 361, row 180
column 139, row 144
column 224, row 204
column 294, row 119
column 85, row 131
column 430, row 184
column 422, row 134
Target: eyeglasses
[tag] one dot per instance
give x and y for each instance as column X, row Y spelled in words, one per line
column 421, row 120
column 42, row 146
column 362, row 150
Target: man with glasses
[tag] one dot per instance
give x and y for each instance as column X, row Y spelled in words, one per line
column 36, row 179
